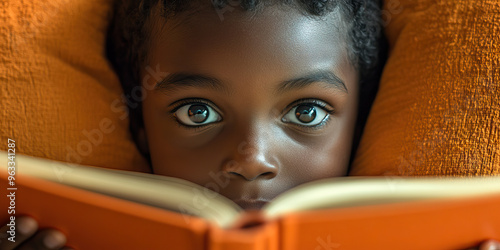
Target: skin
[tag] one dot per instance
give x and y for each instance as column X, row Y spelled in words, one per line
column 28, row 236
column 250, row 154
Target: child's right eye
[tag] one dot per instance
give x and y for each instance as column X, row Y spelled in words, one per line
column 196, row 114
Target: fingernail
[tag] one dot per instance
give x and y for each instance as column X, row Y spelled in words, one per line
column 27, row 225
column 54, row 239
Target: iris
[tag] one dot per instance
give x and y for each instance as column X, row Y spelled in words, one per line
column 305, row 113
column 198, row 113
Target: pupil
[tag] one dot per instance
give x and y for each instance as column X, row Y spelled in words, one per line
column 198, row 113
column 305, row 113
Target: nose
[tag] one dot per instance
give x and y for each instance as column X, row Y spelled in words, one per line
column 252, row 159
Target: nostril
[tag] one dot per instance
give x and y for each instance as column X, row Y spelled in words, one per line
column 243, row 176
column 237, row 174
column 266, row 174
column 250, row 170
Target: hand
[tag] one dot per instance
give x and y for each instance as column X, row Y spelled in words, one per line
column 29, row 237
column 487, row 245
column 490, row 245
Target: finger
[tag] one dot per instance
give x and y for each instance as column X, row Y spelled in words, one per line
column 490, row 245
column 46, row 239
column 13, row 236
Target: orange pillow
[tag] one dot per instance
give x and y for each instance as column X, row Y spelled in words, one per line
column 438, row 107
column 59, row 97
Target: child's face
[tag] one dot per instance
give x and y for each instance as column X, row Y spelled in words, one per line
column 251, row 107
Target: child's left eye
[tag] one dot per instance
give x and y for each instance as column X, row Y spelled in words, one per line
column 306, row 114
column 196, row 114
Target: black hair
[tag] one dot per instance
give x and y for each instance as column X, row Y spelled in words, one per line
column 130, row 32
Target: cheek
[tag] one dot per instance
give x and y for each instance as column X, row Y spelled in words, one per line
column 197, row 168
column 312, row 163
column 193, row 165
column 321, row 157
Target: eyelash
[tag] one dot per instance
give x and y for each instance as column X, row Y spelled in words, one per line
column 180, row 103
column 315, row 102
column 187, row 101
column 318, row 103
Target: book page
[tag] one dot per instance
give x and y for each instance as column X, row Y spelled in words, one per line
column 159, row 191
column 359, row 191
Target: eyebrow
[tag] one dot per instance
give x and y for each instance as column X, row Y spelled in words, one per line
column 319, row 76
column 177, row 81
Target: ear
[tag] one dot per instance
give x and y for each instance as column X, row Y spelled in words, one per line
column 142, row 141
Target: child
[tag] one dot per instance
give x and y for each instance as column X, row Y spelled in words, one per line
column 255, row 96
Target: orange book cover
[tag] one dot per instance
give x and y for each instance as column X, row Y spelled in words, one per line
column 95, row 221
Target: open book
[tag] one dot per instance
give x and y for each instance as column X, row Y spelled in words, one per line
column 195, row 204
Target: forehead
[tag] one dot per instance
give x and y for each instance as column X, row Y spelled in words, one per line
column 277, row 37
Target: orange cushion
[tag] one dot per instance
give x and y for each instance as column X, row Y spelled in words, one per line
column 438, row 107
column 59, row 97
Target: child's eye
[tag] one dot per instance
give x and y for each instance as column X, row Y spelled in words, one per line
column 196, row 114
column 307, row 114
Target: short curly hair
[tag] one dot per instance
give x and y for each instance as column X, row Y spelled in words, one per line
column 130, row 32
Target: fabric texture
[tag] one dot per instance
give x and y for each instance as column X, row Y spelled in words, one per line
column 59, row 97
column 438, row 107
